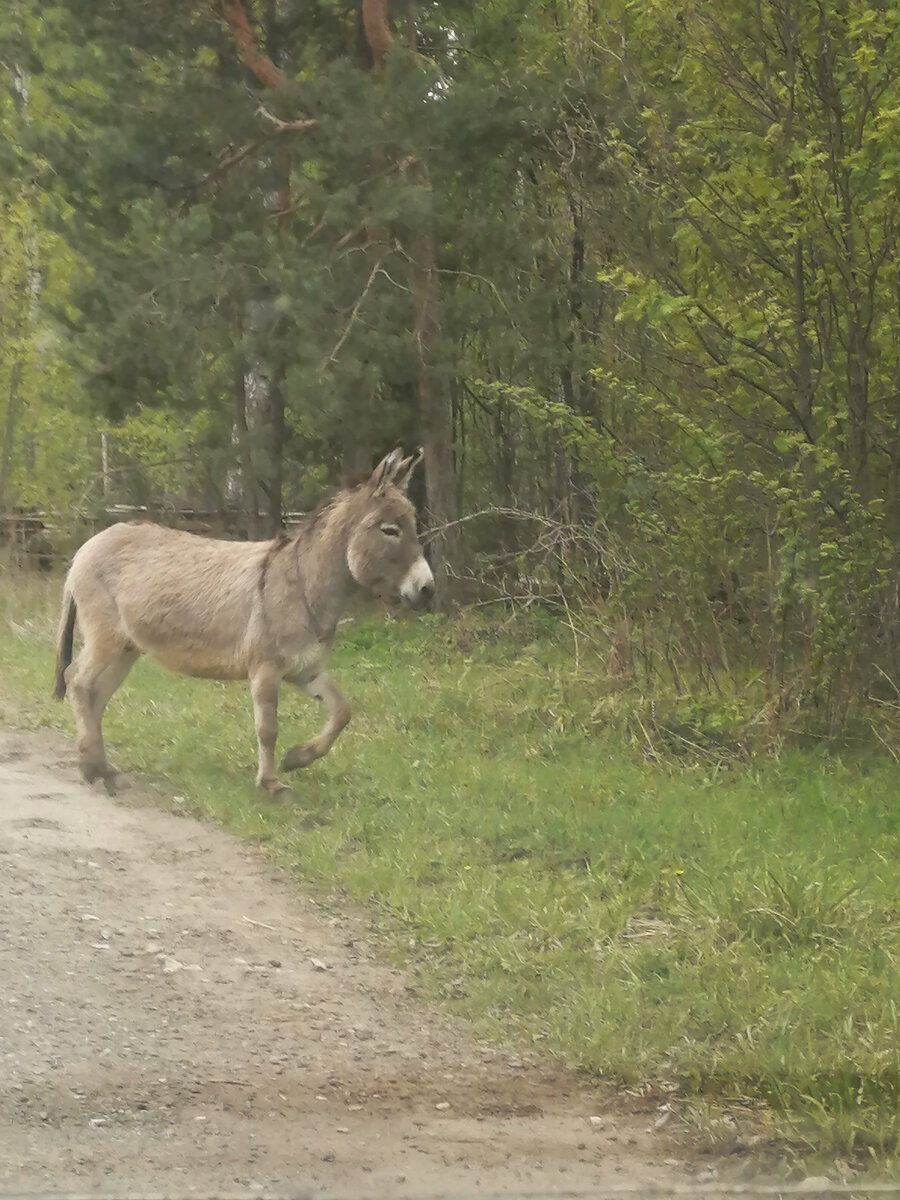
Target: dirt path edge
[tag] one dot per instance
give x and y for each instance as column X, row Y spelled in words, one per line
column 179, row 1018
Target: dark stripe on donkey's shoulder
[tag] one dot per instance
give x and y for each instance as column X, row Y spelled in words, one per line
column 279, row 542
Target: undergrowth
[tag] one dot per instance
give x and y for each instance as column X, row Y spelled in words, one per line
column 717, row 924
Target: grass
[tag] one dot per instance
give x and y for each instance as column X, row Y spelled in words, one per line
column 729, row 930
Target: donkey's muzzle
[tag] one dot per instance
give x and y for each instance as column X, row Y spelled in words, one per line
column 426, row 591
column 418, row 586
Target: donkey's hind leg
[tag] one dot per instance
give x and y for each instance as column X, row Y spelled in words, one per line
column 92, row 679
column 321, row 688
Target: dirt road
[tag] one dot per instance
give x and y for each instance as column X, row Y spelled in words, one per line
column 176, row 1016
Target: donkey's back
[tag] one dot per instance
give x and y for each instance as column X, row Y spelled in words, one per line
column 190, row 602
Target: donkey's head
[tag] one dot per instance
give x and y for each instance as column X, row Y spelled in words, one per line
column 383, row 553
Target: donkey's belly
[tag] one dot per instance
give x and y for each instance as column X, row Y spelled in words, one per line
column 201, row 662
column 183, row 642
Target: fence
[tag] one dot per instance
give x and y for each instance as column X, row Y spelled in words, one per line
column 40, row 541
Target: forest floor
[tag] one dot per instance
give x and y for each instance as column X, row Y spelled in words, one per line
column 181, row 1018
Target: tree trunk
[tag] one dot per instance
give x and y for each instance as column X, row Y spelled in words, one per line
column 9, row 428
column 434, row 412
column 434, row 401
column 378, row 33
column 356, row 458
column 440, row 484
column 858, row 402
column 271, row 409
column 248, row 489
column 276, row 429
column 566, row 495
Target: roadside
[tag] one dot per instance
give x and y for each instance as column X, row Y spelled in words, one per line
column 179, row 1017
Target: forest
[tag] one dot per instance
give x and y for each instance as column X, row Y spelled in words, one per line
column 628, row 273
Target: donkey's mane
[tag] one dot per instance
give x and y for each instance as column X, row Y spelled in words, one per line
column 312, row 521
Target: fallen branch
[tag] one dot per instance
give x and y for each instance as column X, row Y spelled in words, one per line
column 260, row 924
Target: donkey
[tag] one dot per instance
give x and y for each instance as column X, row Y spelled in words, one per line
column 261, row 611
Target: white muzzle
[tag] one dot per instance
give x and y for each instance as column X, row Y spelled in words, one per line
column 418, row 586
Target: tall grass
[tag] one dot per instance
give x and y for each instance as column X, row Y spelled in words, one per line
column 727, row 929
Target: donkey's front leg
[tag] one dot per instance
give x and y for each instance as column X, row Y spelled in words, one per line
column 264, row 690
column 321, row 688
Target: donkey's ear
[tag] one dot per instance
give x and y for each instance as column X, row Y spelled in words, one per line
column 406, row 468
column 385, row 471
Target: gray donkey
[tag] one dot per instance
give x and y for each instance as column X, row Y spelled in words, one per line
column 261, row 611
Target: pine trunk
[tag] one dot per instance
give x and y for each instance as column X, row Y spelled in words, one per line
column 434, row 412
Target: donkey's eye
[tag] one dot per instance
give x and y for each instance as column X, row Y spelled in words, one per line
column 390, row 530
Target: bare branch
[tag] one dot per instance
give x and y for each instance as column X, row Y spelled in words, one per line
column 304, row 125
column 353, row 315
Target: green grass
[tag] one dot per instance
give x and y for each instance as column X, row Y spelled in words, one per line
column 732, row 929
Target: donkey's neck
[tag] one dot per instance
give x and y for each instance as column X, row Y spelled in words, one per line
column 323, row 574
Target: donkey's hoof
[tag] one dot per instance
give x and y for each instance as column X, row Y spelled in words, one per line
column 91, row 771
column 296, row 757
column 275, row 788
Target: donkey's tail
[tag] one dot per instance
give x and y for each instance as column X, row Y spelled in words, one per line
column 64, row 641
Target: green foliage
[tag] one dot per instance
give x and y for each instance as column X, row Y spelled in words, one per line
column 661, row 320
column 45, row 455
